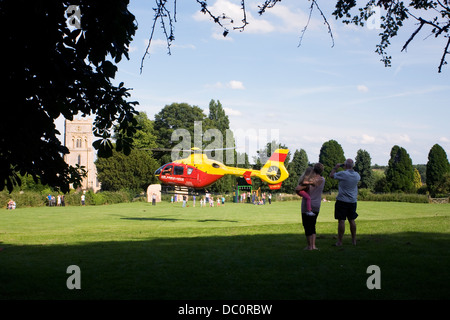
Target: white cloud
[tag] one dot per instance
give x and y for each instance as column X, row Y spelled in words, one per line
column 292, row 20
column 397, row 138
column 236, row 85
column 162, row 44
column 219, row 36
column 279, row 18
column 232, row 112
column 217, row 85
column 366, row 139
column 362, row 88
column 233, row 84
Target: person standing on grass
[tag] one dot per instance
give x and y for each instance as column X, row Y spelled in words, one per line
column 315, row 194
column 346, row 200
column 306, row 179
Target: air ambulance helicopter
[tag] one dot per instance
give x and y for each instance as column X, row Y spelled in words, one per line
column 197, row 171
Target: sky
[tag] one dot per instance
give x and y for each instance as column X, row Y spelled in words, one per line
column 301, row 96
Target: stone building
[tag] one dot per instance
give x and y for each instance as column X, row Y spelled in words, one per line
column 78, row 138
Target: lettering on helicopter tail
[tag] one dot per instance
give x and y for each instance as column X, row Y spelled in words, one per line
column 247, row 177
column 275, row 186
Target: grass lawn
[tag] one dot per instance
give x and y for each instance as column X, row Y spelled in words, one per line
column 238, row 251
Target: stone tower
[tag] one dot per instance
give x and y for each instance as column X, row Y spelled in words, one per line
column 78, row 138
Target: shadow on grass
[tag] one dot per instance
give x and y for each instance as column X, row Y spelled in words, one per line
column 176, row 219
column 269, row 266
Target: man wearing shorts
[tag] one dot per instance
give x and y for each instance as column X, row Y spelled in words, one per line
column 345, row 207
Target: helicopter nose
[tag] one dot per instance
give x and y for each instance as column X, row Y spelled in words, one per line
column 158, row 171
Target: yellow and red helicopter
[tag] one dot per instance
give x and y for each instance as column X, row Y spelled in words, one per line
column 197, row 171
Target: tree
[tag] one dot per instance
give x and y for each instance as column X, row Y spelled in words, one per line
column 133, row 171
column 176, row 116
column 219, row 124
column 400, row 172
column 380, row 182
column 417, row 179
column 218, row 120
column 331, row 153
column 52, row 69
column 180, row 117
column 295, row 168
column 145, row 136
column 363, row 167
column 394, row 18
column 127, row 172
column 437, row 167
column 428, row 14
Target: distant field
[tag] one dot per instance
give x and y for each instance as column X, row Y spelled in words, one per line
column 239, row 251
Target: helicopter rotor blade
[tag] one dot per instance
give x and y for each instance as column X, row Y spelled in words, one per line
column 188, row 150
column 218, row 149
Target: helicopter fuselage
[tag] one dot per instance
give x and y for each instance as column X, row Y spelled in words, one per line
column 198, row 171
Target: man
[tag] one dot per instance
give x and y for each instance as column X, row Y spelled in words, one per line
column 345, row 207
column 315, row 193
column 83, row 199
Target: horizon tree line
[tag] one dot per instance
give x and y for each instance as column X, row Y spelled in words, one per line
column 400, row 175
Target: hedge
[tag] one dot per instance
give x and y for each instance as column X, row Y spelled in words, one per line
column 39, row 199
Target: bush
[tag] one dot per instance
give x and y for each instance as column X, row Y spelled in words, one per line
column 22, row 199
column 366, row 195
column 97, row 199
column 73, row 198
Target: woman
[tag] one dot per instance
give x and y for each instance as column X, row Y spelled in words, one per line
column 315, row 194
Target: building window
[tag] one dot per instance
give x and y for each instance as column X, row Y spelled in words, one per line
column 79, row 160
column 78, row 143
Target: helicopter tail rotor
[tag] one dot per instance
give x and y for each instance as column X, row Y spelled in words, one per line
column 274, row 172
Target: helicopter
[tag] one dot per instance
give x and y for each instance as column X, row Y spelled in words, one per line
column 197, row 171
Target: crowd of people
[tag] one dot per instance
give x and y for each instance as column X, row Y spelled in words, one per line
column 207, row 200
column 255, row 198
column 57, row 201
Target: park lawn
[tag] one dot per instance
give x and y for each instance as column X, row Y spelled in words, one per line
column 238, row 251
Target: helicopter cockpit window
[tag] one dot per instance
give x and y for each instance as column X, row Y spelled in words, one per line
column 167, row 170
column 158, row 171
column 215, row 165
column 189, row 170
column 178, row 171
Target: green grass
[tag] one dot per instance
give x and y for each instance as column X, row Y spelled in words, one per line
column 239, row 251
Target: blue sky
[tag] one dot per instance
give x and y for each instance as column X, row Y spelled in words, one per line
column 303, row 96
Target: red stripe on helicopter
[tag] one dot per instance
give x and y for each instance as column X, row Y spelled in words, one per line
column 247, row 177
column 275, row 186
column 278, row 157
